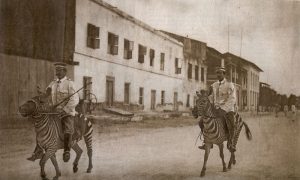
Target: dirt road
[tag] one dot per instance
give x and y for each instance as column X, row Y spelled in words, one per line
column 165, row 153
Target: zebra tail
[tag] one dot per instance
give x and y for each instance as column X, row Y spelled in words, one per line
column 247, row 132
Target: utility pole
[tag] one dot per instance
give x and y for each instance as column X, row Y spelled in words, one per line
column 241, row 42
column 228, row 34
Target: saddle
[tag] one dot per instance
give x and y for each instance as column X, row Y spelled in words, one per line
column 79, row 127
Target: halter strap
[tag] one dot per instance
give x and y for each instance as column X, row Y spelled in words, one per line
column 36, row 106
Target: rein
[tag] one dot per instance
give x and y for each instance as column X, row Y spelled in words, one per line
column 35, row 112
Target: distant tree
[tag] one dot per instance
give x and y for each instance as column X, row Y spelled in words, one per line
column 292, row 99
column 298, row 102
column 284, row 99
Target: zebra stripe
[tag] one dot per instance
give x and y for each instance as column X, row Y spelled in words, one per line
column 215, row 129
column 48, row 128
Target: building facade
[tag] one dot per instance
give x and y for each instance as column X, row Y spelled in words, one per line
column 33, row 35
column 267, row 97
column 245, row 76
column 214, row 59
column 130, row 64
column 194, row 67
column 241, row 72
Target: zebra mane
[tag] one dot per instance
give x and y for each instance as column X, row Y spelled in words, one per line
column 209, row 109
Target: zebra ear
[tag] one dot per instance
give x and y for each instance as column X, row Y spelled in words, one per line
column 38, row 89
column 203, row 92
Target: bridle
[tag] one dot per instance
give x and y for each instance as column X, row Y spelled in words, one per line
column 204, row 109
column 35, row 111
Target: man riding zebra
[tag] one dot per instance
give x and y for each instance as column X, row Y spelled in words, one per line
column 60, row 89
column 222, row 95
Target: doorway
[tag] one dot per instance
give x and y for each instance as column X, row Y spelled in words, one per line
column 110, row 83
column 153, row 98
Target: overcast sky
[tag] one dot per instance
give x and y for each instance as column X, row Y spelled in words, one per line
column 270, row 31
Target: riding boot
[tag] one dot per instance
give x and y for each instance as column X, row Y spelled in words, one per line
column 37, row 154
column 203, row 147
column 67, row 143
column 230, row 125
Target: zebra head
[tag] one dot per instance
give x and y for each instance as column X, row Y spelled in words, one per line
column 35, row 106
column 203, row 105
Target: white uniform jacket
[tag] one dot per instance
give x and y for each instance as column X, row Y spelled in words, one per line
column 61, row 89
column 224, row 95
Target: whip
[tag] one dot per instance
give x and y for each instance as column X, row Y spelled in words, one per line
column 67, row 98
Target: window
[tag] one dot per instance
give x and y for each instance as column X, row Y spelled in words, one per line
column 190, row 66
column 128, row 47
column 162, row 97
column 196, row 73
column 87, row 87
column 188, row 101
column 141, row 96
column 177, row 66
column 202, row 74
column 93, row 40
column 112, row 47
column 152, row 55
column 142, row 53
column 162, row 61
column 127, row 93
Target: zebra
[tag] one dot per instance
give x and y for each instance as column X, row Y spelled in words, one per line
column 50, row 133
column 215, row 130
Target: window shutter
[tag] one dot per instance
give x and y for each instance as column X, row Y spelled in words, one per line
column 116, row 39
column 130, row 45
column 179, row 63
column 115, row 50
column 97, row 30
column 129, row 54
column 96, row 43
column 110, row 38
column 144, row 50
column 90, row 41
column 90, row 30
column 126, row 44
column 152, row 53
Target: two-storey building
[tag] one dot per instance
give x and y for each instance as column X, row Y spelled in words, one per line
column 129, row 63
column 194, row 67
column 241, row 72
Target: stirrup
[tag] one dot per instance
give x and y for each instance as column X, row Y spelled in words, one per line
column 202, row 147
column 35, row 156
column 32, row 158
column 66, row 156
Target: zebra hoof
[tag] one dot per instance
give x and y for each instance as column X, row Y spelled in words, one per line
column 202, row 174
column 55, row 178
column 233, row 162
column 44, row 177
column 75, row 169
column 89, row 170
column 224, row 169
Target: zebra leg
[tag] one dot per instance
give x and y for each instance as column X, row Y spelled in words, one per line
column 232, row 160
column 46, row 156
column 54, row 162
column 88, row 142
column 78, row 152
column 207, row 150
column 221, row 147
column 90, row 154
